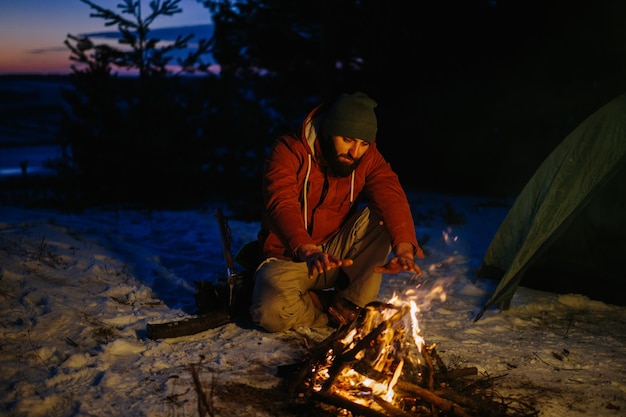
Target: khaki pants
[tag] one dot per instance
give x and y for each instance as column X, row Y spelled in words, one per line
column 280, row 300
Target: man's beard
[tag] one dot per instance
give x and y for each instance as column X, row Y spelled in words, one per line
column 338, row 166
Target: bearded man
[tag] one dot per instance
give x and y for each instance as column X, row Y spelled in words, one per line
column 335, row 219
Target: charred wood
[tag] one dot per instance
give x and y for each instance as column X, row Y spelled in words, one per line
column 440, row 403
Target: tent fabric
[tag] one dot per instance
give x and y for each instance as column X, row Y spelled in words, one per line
column 570, row 217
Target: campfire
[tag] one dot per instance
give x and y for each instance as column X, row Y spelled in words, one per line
column 380, row 366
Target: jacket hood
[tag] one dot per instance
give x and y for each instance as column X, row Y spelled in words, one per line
column 311, row 127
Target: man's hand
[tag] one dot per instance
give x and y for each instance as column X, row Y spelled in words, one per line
column 403, row 260
column 399, row 264
column 318, row 261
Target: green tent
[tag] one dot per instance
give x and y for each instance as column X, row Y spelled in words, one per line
column 566, row 230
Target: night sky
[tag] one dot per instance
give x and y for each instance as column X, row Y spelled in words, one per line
column 32, row 31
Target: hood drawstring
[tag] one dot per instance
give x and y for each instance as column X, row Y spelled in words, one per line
column 352, row 189
column 306, row 191
column 305, row 207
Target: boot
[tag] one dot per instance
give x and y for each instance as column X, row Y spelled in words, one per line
column 340, row 311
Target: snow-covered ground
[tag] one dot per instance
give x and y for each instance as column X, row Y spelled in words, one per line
column 77, row 291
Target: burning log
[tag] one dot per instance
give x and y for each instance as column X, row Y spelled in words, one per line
column 362, row 362
column 358, row 409
column 369, row 368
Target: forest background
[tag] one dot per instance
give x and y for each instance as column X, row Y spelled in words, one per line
column 472, row 94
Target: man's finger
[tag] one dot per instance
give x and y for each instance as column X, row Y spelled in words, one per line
column 390, row 268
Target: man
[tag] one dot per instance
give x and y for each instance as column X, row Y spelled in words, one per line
column 323, row 255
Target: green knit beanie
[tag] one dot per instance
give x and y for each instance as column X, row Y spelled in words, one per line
column 352, row 115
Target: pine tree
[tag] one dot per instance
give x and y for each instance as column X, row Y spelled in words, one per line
column 133, row 128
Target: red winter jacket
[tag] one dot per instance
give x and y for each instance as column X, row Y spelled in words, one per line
column 292, row 219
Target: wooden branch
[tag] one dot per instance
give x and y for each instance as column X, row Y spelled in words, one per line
column 204, row 403
column 453, row 396
column 442, row 404
column 430, row 370
column 390, row 408
column 429, row 374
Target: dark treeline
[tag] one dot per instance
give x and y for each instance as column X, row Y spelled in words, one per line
column 473, row 94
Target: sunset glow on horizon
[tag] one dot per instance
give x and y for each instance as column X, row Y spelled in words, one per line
column 32, row 32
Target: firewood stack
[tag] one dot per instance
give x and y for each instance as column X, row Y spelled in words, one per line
column 378, row 366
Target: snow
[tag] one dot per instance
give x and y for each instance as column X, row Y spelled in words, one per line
column 77, row 291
